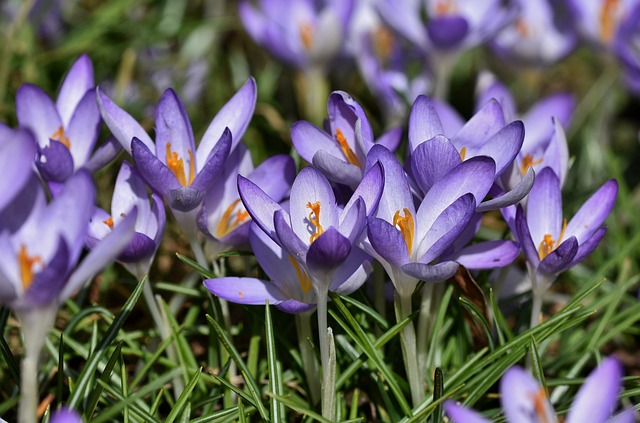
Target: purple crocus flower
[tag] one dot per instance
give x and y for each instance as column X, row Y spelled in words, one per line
column 524, row 400
column 172, row 166
column 131, row 192
column 598, row 21
column 64, row 415
column 223, row 218
column 304, row 33
column 340, row 151
column 542, row 33
column 17, row 150
column 626, row 47
column 66, row 131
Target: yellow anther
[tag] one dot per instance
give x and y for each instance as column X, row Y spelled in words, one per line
column 231, row 220
column 608, row 19
column 60, row 136
column 527, row 162
column 303, row 278
column 406, row 226
column 176, row 164
column 109, row 222
column 306, row 35
column 346, row 150
column 539, row 399
column 446, row 7
column 26, row 263
column 463, row 153
column 548, row 245
column 314, row 218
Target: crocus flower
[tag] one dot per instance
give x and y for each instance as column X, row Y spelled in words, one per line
column 626, row 45
column 64, row 415
column 305, row 33
column 524, row 400
column 550, row 244
column 542, row 34
column 66, row 131
column 172, row 166
column 340, row 152
column 223, row 218
column 598, row 21
column 130, row 193
column 17, row 150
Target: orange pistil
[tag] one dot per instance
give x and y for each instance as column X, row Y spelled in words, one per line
column 406, row 226
column 303, row 278
column 314, row 218
column 522, row 28
column 346, row 150
column 109, row 222
column 548, row 245
column 306, row 35
column 540, row 406
column 383, row 43
column 176, row 164
column 527, row 162
column 446, row 7
column 60, row 136
column 26, row 263
column 231, row 220
column 463, row 153
column 608, row 19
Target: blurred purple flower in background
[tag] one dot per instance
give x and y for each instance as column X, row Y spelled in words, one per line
column 627, row 48
column 17, row 150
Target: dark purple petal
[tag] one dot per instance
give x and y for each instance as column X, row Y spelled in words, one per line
column 432, row 159
column 308, row 140
column 288, row 239
column 260, row 206
column 344, row 113
column 48, row 283
column 544, row 206
column 30, row 200
column 510, row 197
column 598, row 397
column 369, row 189
column 184, row 199
column 328, row 252
column 83, row 129
column 388, row 242
column 173, row 127
column 156, row 174
column 121, row 124
column 587, row 247
column 249, row 291
column 556, row 260
column 503, row 147
column 337, row 169
column 139, row 248
column 78, row 81
column 353, row 220
column 488, row 254
column 294, row 306
column 431, row 273
column 593, row 212
column 214, row 165
column 424, row 122
column 524, row 238
column 447, row 32
column 54, row 162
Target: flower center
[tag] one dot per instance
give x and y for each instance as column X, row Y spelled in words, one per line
column 406, row 226
column 176, row 164
column 314, row 218
column 539, row 405
column 109, row 222
column 306, row 35
column 527, row 162
column 346, row 150
column 446, row 7
column 548, row 245
column 231, row 220
column 608, row 15
column 463, row 153
column 26, row 263
column 303, row 278
column 60, row 136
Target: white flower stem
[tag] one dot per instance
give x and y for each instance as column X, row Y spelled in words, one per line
column 328, row 371
column 408, row 342
column 425, row 318
column 309, row 362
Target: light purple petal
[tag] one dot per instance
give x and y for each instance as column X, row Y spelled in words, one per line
column 173, row 129
column 129, row 191
column 214, row 165
column 48, row 283
column 369, row 189
column 78, row 81
column 459, row 414
column 424, row 122
column 544, row 207
column 308, row 140
column 260, row 206
column 598, row 397
column 556, row 156
column 121, row 124
column 488, row 254
column 431, row 273
column 432, row 159
column 522, row 397
column 524, row 238
column 311, row 188
column 352, row 222
column 16, row 158
column 396, row 194
column 510, row 197
column 288, row 238
column 36, row 111
column 627, row 416
column 235, row 115
column 536, row 120
column 83, row 129
column 391, row 139
column 593, row 212
column 156, row 173
column 275, row 176
column 503, row 147
column 249, row 291
column 484, row 124
column 337, row 169
column 103, row 155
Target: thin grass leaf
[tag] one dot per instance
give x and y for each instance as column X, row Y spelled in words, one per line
column 381, row 321
column 184, row 397
column 12, row 364
column 105, row 377
column 60, row 375
column 156, row 402
column 123, row 387
column 150, row 361
column 177, row 289
column 242, row 417
column 299, row 408
column 504, row 331
column 438, row 391
column 249, row 381
column 206, row 273
column 232, row 387
column 536, row 365
column 275, row 375
column 478, row 316
column 90, row 367
column 217, row 416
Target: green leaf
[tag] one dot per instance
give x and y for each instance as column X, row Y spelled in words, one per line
column 206, row 273
column 105, row 377
column 275, row 375
column 438, row 391
column 184, row 396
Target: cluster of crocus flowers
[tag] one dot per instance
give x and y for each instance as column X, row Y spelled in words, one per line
column 524, row 400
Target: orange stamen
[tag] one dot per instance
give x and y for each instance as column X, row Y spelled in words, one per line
column 176, row 164
column 383, row 42
column 539, row 405
column 303, row 278
column 314, row 218
column 522, row 28
column 445, row 7
column 60, row 136
column 463, row 153
column 527, row 162
column 26, row 263
column 406, row 226
column 346, row 150
column 548, row 245
column 109, row 222
column 231, row 221
column 306, row 35
column 608, row 19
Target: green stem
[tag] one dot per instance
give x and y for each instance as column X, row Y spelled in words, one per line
column 328, row 371
column 309, row 362
column 409, row 353
column 425, row 319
